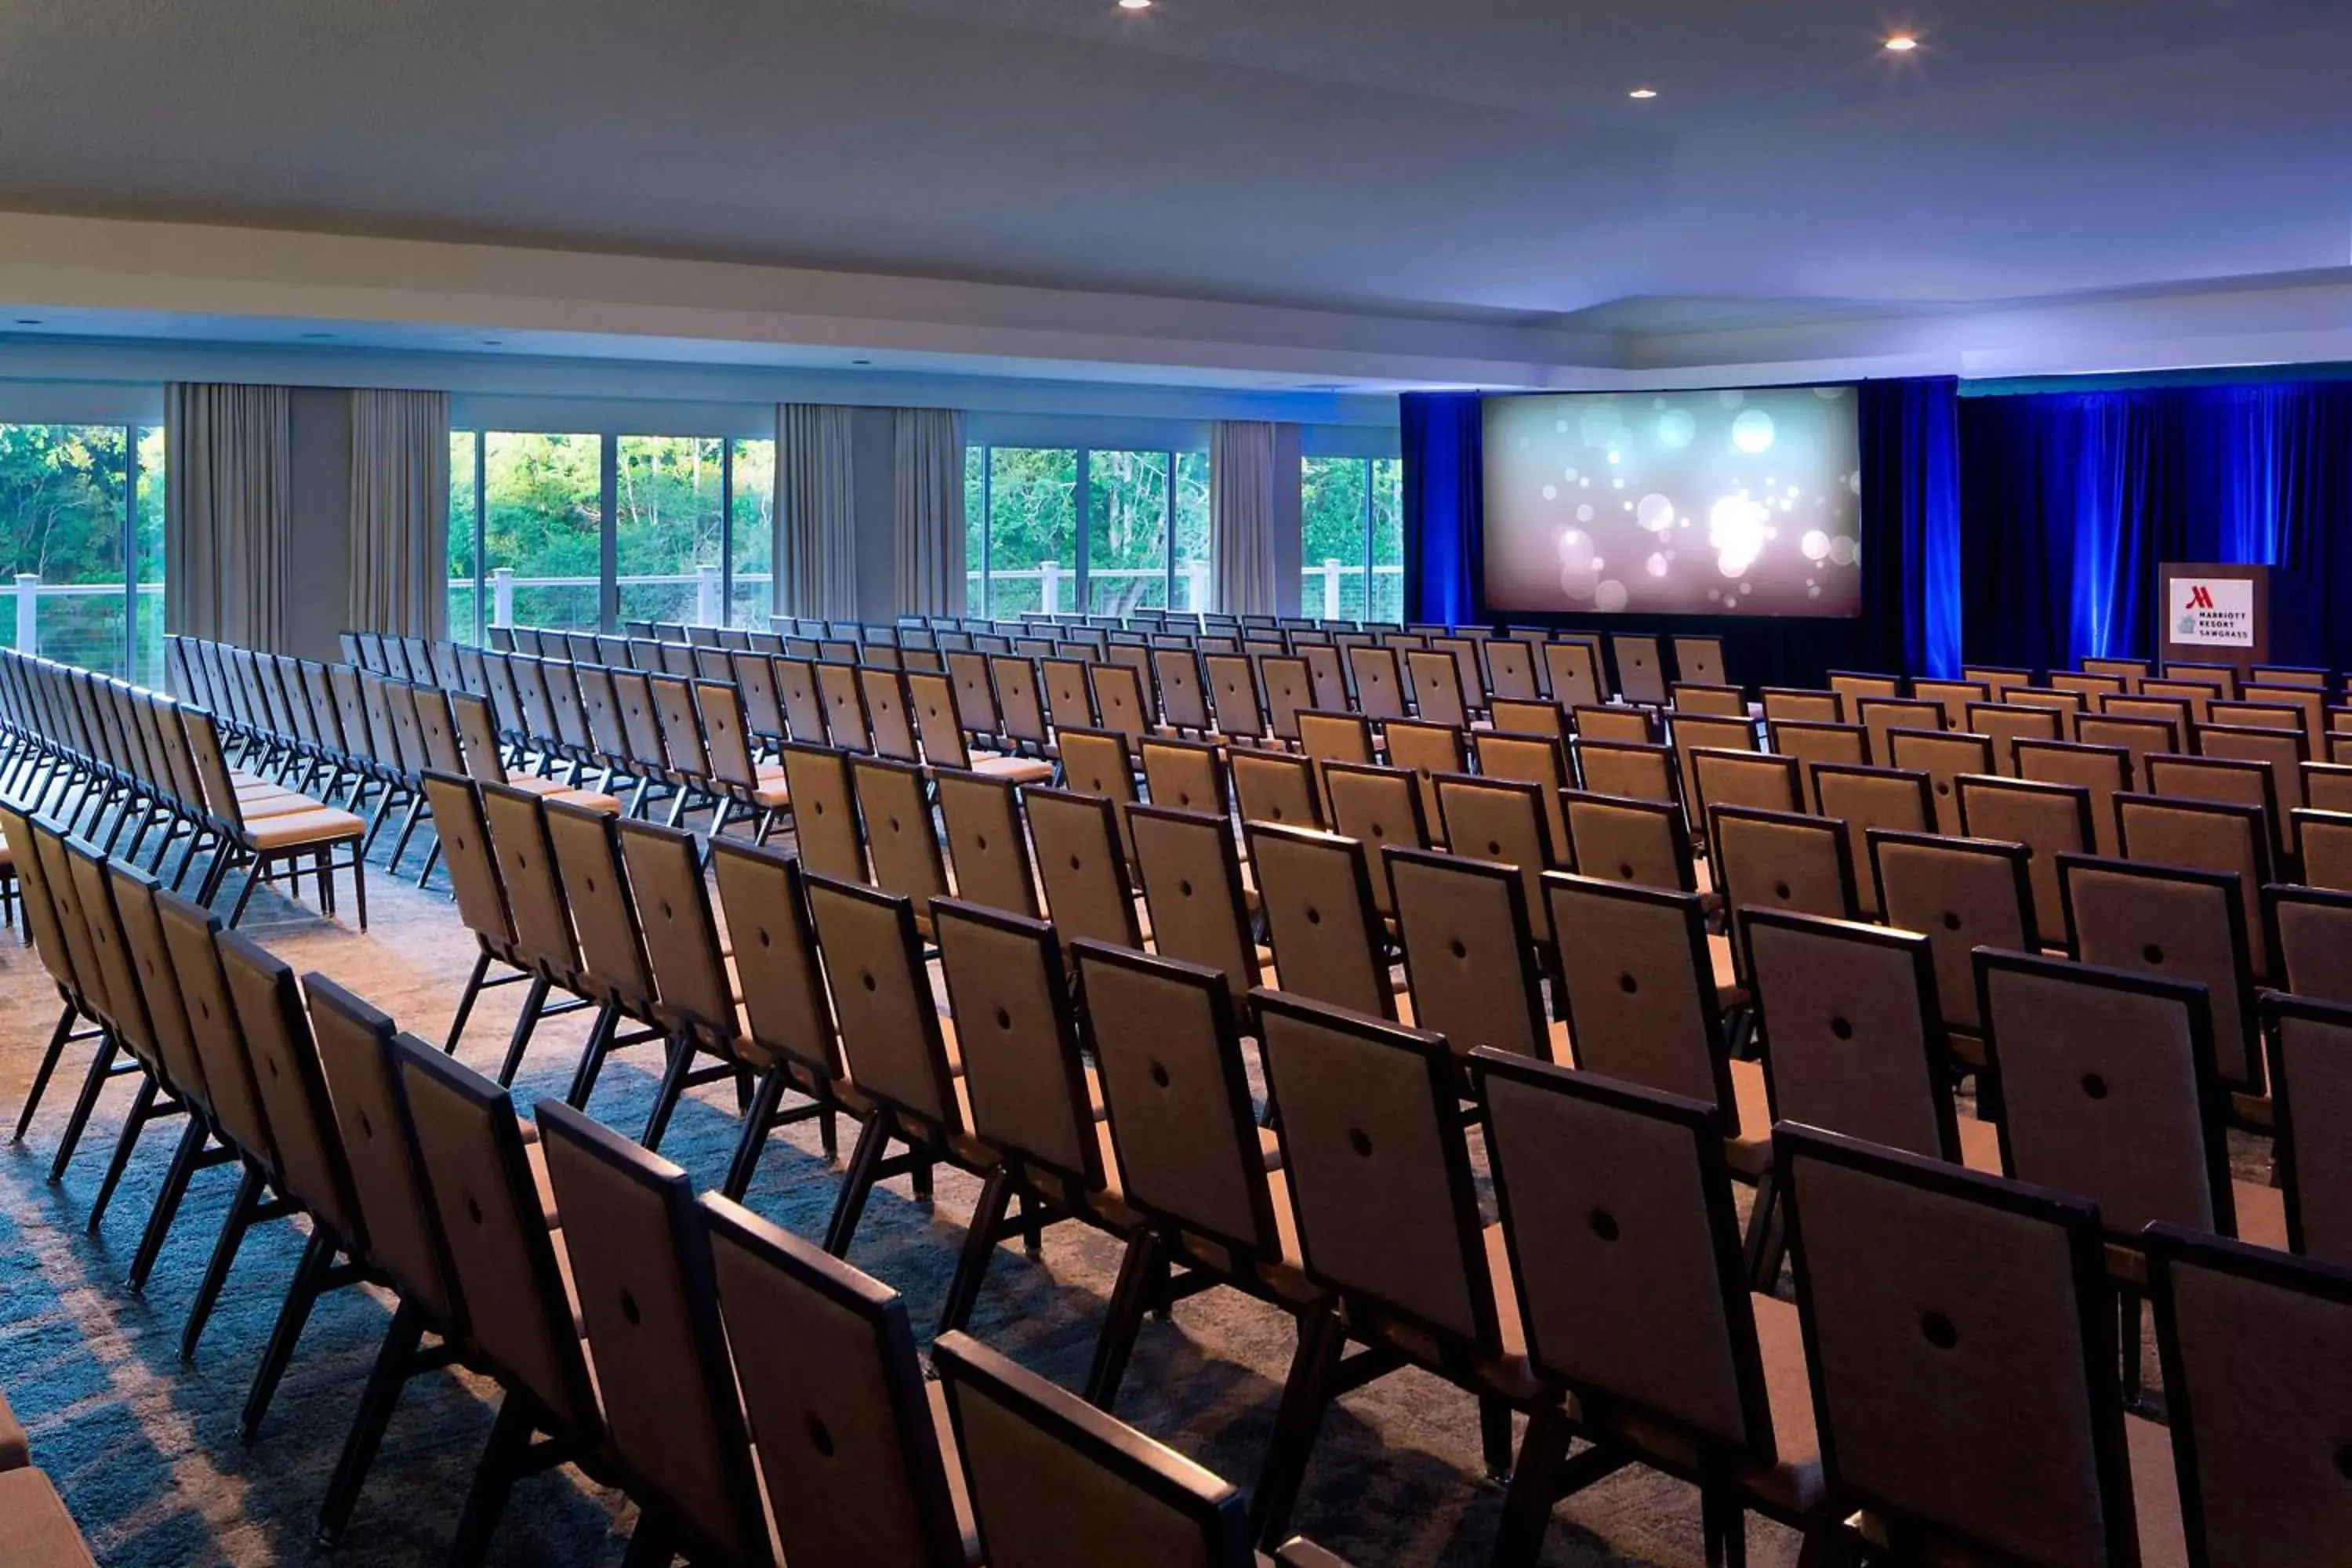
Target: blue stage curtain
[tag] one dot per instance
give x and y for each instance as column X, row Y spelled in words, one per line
column 1911, row 522
column 2070, row 499
column 1443, row 442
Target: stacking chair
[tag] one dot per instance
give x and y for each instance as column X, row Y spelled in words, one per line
column 939, row 721
column 56, row 958
column 844, row 696
column 1427, row 750
column 2309, row 931
column 1624, row 839
column 1539, row 760
column 1270, row 786
column 691, row 998
column 314, row 1173
column 824, row 813
column 2311, row 1090
column 1960, row 894
column 92, row 996
column 2210, row 835
column 1616, row 726
column 1082, row 866
column 2180, row 924
column 1510, row 672
column 1943, row 756
column 1524, row 716
column 2049, row 820
column 1099, row 763
column 482, row 760
column 803, row 707
column 1019, row 707
column 650, row 1301
column 1436, row 683
column 987, row 848
column 740, row 781
column 1379, row 682
column 1387, row 1216
column 1747, row 778
column 1927, row 1288
column 1955, row 696
column 1808, row 743
column 1880, row 715
column 1573, row 669
column 543, row 942
column 2140, row 738
column 1468, row 945
column 1854, row 1036
column 1802, row 705
column 1863, row 798
column 2326, row 786
column 269, row 846
column 899, row 838
column 1502, row 820
column 787, row 1017
column 888, row 711
column 501, row 1250
column 1640, row 673
column 1196, row 895
column 1623, row 1250
column 126, row 1011
column 1778, row 860
column 2282, row 750
column 2260, row 1471
column 1699, row 660
column 613, row 975
column 2106, row 772
column 1380, row 808
column 849, row 1434
column 1693, row 732
column 1316, row 890
column 1187, row 774
column 894, row 1044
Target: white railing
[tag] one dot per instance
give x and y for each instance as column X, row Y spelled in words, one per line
column 708, row 583
column 1333, row 572
column 30, row 594
column 1052, row 577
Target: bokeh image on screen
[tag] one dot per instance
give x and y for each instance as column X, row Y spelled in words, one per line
column 1705, row 504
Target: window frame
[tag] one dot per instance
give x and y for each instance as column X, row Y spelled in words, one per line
column 1081, row 503
column 126, row 545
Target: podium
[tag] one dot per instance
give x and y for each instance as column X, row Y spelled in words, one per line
column 2213, row 614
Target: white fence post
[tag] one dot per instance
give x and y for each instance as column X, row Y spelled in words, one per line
column 1049, row 581
column 1330, row 589
column 708, row 610
column 501, row 595
column 1197, row 573
column 29, row 612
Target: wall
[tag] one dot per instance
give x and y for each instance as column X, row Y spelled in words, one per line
column 319, row 572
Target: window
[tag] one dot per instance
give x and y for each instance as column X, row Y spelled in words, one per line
column 582, row 532
column 1145, row 544
column 81, row 542
column 1352, row 547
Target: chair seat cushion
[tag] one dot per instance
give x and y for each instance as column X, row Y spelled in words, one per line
column 532, row 784
column 1020, row 770
column 1979, row 1145
column 13, row 1450
column 2261, row 1215
column 588, row 800
column 323, row 825
column 36, row 1530
column 2155, row 1494
column 1749, row 1150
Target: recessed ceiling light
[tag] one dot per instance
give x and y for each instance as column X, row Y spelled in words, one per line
column 28, row 321
column 861, row 362
column 493, row 343
column 1643, row 92
column 316, row 337
column 1135, row 5
column 1902, row 43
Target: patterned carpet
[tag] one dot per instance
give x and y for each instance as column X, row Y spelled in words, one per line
column 145, row 1447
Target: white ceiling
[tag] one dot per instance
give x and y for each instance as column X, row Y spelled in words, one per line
column 1465, row 161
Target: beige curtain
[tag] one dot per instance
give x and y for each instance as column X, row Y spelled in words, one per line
column 1245, row 472
column 400, row 512
column 228, row 470
column 816, row 512
column 927, row 501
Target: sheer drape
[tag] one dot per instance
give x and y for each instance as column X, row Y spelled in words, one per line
column 927, row 503
column 228, row 467
column 400, row 512
column 816, row 512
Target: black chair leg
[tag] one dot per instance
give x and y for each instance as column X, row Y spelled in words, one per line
column 1130, row 1298
column 485, row 1499
column 143, row 1104
column 673, row 1086
column 850, row 1206
column 532, row 1007
column 240, row 1219
column 655, row 1543
column 58, row 1038
column 757, row 1122
column 385, row 1380
column 1527, row 1506
column 102, row 1067
column 1305, row 1394
column 1494, row 1436
column 184, row 1160
column 301, row 1294
column 1766, row 1242
column 592, row 1059
column 465, row 1001
column 979, row 1247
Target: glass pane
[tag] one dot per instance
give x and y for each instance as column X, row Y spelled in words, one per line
column 1193, row 554
column 975, row 529
column 755, row 535
column 545, row 528
column 1387, row 540
column 1127, row 532
column 147, row 546
column 1331, row 552
column 464, row 593
column 1032, row 529
column 666, row 523
column 61, row 520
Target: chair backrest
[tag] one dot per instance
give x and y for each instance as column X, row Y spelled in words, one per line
column 1712, row 701
column 1923, row 1287
column 1510, row 671
column 1313, row 678
column 2048, row 819
column 899, row 836
column 755, row 680
column 1747, row 778
column 478, row 752
column 1640, row 673
column 1943, row 756
column 1502, row 820
column 1954, row 697
column 1574, row 671
column 1635, row 986
column 1779, row 860
column 1187, row 774
column 1018, row 705
column 2141, row 738
column 292, row 1086
column 1379, row 1175
column 1176, row 1092
column 1082, row 866
column 824, row 813
column 1626, row 839
column 1024, row 1077
column 2209, row 836
column 933, row 696
column 785, row 1007
column 1315, row 889
column 1539, row 760
column 1436, row 683
column 2106, row 772
column 588, row 861
column 1468, row 951
column 1378, row 680
column 1274, row 786
column 1053, row 1481
column 2216, row 779
column 493, row 1232
column 527, row 871
column 1380, row 808
column 354, row 1043
column 1233, row 689
column 1617, row 1214
column 133, row 894
column 2325, row 848
column 881, row 992
column 2282, row 752
column 1863, row 798
column 1800, row 705
column 1807, row 743
column 2310, row 934
column 802, row 706
column 1193, row 887
column 1700, row 660
column 649, row 1300
column 1619, row 726
column 1960, row 894
column 1854, row 1035
column 2175, row 922
column 888, row 719
column 125, row 1008
column 835, row 1398
column 726, row 734
column 193, row 932
column 640, row 721
column 672, row 907
column 1099, row 763
column 838, row 688
column 1428, row 750
column 2108, row 1089
column 985, row 843
column 1880, row 715
column 2311, row 1103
